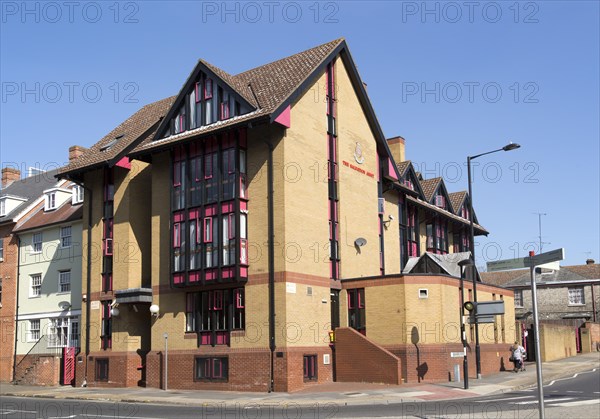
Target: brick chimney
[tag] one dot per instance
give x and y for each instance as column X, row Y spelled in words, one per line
column 396, row 145
column 10, row 175
column 76, row 151
column 590, row 262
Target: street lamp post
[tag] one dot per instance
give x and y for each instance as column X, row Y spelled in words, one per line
column 508, row 147
column 463, row 336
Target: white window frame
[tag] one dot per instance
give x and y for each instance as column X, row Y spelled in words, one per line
column 66, row 238
column 31, row 330
column 2, row 207
column 64, row 278
column 50, row 201
column 66, row 338
column 78, row 195
column 34, row 286
column 520, row 292
column 36, row 246
column 576, row 293
column 1, row 249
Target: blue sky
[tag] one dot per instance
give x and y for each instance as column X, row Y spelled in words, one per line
column 453, row 78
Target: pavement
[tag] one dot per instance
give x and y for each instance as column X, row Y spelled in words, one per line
column 337, row 393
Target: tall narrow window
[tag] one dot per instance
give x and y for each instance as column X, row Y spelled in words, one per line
column 36, row 285
column 310, row 367
column 106, row 332
column 65, row 236
column 1, row 249
column 34, row 330
column 356, row 309
column 519, row 298
column 179, row 243
column 36, row 243
column 64, row 281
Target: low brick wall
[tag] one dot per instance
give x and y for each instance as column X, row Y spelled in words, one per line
column 360, row 360
column 41, row 370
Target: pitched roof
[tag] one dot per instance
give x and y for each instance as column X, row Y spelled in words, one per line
column 134, row 127
column 267, row 87
column 429, row 187
column 30, row 188
column 403, row 167
column 63, row 214
column 522, row 277
column 457, row 199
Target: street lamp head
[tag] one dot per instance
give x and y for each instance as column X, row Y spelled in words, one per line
column 510, row 146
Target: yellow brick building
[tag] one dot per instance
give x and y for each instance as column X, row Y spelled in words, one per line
column 236, row 224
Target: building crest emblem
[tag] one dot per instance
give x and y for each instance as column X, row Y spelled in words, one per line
column 358, row 154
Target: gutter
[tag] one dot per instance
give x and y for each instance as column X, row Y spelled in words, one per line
column 17, row 308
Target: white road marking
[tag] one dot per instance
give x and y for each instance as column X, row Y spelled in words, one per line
column 502, row 400
column 564, row 399
column 571, row 391
column 10, row 412
column 62, row 417
column 577, row 403
column 570, row 378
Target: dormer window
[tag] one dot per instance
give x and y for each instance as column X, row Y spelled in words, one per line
column 464, row 212
column 440, row 201
column 408, row 183
column 50, row 201
column 78, row 194
column 2, row 207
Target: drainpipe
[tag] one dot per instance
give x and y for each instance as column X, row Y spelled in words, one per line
column 17, row 307
column 271, row 253
column 594, row 318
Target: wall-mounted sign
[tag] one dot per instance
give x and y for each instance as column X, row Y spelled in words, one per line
column 358, row 154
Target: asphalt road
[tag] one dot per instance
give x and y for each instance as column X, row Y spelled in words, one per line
column 574, row 397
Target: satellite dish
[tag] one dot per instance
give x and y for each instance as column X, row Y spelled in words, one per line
column 64, row 305
column 360, row 242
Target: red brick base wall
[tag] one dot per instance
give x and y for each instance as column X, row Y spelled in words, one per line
column 41, row 370
column 360, row 360
column 124, row 369
column 249, row 370
column 433, row 363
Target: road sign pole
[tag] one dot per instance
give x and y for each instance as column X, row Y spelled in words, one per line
column 536, row 328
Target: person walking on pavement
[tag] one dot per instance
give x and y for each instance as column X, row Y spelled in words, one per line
column 517, row 356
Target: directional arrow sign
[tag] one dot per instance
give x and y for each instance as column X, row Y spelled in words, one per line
column 551, row 256
column 506, row 264
column 526, row 262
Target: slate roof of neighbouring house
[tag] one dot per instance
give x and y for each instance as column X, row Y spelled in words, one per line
column 522, row 277
column 29, row 188
column 40, row 218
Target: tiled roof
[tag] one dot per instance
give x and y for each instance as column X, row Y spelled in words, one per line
column 403, row 167
column 501, row 278
column 591, row 271
column 429, row 187
column 131, row 129
column 64, row 214
column 457, row 199
column 522, row 277
column 29, row 188
column 272, row 84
